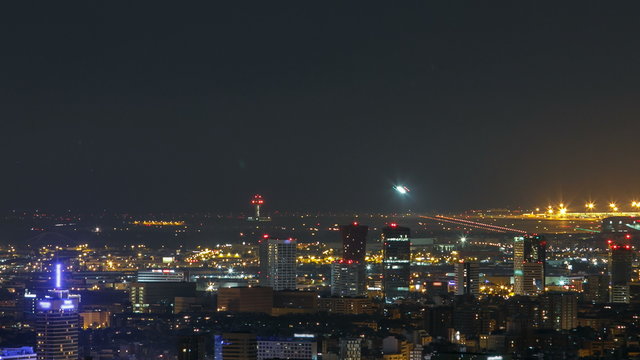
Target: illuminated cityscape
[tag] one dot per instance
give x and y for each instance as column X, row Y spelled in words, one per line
column 257, row 180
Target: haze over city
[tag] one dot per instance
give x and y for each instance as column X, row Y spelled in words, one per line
column 318, row 106
column 319, row 181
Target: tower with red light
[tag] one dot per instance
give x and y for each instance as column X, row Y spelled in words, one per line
column 257, row 201
column 620, row 269
column 354, row 242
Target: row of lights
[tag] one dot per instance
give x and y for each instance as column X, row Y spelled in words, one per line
column 562, row 209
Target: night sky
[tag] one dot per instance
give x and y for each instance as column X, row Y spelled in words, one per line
column 318, row 105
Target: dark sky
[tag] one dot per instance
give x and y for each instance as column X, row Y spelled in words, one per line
column 318, row 105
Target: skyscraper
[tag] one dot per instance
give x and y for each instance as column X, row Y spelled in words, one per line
column 396, row 262
column 354, row 242
column 620, row 272
column 278, row 263
column 57, row 323
column 348, row 278
column 467, row 276
column 559, row 310
column 529, row 261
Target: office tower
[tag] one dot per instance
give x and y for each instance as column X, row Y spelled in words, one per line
column 351, row 349
column 21, row 353
column 191, row 347
column 396, row 262
column 235, row 346
column 596, row 289
column 529, row 261
column 57, row 323
column 620, row 272
column 467, row 277
column 278, row 263
column 348, row 278
column 354, row 242
column 559, row 310
column 302, row 346
column 160, row 275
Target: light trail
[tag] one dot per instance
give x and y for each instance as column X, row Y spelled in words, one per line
column 474, row 224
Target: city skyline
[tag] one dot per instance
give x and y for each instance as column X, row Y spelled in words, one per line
column 319, row 181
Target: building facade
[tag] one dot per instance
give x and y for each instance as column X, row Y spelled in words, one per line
column 21, row 353
column 529, row 261
column 354, row 242
column 57, row 323
column 396, row 262
column 287, row 348
column 620, row 272
column 467, row 276
column 348, row 278
column 278, row 264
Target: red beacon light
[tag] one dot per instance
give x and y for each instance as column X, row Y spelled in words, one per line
column 257, row 200
column 355, row 223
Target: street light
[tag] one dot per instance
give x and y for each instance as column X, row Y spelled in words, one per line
column 590, row 206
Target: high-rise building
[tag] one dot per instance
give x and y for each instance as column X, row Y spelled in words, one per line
column 396, row 262
column 596, row 289
column 620, row 272
column 278, row 263
column 235, row 346
column 559, row 310
column 21, row 353
column 348, row 278
column 354, row 242
column 57, row 323
column 529, row 261
column 467, row 276
column 191, row 347
column 302, row 346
